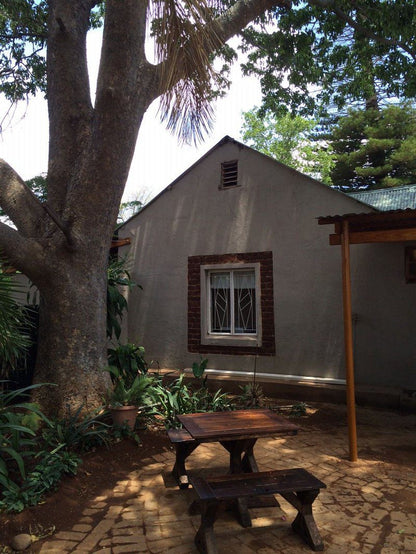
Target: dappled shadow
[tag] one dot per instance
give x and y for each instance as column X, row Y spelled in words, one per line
column 127, row 497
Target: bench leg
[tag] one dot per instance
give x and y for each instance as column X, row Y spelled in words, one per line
column 204, row 538
column 183, row 450
column 243, row 515
column 304, row 524
column 236, row 449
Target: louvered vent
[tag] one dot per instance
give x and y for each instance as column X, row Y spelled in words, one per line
column 229, row 174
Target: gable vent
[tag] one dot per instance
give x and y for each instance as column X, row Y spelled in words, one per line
column 229, row 174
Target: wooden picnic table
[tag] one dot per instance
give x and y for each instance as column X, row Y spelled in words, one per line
column 237, row 431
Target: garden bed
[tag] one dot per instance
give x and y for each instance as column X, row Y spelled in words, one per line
column 97, row 476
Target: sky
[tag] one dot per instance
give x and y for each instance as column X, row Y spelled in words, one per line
column 159, row 158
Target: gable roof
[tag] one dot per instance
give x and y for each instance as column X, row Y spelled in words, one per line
column 395, row 198
column 226, row 140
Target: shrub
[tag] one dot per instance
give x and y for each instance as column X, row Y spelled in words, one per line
column 74, row 432
column 35, row 452
column 180, row 398
column 44, row 477
column 117, row 276
column 14, row 331
column 129, row 360
column 251, row 396
column 127, row 392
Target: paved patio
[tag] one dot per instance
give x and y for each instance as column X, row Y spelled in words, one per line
column 368, row 506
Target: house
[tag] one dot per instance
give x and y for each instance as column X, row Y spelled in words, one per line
column 235, row 268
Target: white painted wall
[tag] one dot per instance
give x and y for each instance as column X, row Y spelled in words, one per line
column 275, row 208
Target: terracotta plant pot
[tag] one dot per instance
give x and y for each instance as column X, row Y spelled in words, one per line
column 124, row 415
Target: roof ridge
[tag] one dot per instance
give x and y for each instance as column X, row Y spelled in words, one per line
column 383, row 190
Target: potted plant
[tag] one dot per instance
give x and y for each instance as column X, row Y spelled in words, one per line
column 124, row 399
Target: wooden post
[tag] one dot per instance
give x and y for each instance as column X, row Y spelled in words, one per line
column 348, row 341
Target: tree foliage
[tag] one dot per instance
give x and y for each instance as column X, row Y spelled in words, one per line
column 23, row 39
column 327, row 53
column 287, row 139
column 23, row 35
column 375, row 148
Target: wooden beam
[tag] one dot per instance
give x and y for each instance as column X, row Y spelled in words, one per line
column 388, row 235
column 117, row 243
column 348, row 340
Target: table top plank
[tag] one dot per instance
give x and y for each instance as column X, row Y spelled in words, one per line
column 236, row 425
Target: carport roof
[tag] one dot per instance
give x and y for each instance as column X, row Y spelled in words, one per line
column 390, row 226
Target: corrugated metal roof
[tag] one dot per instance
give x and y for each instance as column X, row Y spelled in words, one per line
column 395, row 198
column 406, row 217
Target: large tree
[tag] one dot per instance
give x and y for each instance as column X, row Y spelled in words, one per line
column 289, row 140
column 332, row 54
column 375, row 148
column 62, row 244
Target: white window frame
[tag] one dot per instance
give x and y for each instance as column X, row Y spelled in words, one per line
column 227, row 339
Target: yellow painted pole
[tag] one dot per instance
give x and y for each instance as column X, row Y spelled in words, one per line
column 348, row 341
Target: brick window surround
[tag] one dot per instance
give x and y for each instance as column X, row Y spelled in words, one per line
column 265, row 259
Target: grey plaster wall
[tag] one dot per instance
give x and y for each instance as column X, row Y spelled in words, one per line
column 275, row 208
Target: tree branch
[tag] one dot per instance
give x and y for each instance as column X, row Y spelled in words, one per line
column 22, row 35
column 69, row 101
column 61, row 225
column 27, row 255
column 24, row 208
column 19, row 202
column 242, row 13
column 365, row 31
column 126, row 86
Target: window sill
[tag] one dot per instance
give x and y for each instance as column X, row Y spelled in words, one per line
column 222, row 340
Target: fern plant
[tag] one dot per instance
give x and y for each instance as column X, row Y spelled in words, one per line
column 126, row 393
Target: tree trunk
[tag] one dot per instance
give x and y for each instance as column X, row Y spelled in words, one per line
column 72, row 348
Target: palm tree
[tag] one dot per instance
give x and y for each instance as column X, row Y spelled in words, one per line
column 186, row 34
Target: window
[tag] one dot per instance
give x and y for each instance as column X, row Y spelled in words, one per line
column 232, row 302
column 230, row 312
column 410, row 264
column 229, row 174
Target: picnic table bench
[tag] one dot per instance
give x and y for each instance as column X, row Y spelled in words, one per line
column 299, row 487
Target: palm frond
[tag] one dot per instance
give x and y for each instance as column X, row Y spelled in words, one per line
column 13, row 340
column 185, row 39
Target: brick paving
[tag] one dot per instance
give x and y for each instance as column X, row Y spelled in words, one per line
column 368, row 506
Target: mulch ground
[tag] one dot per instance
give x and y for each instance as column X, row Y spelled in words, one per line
column 98, row 474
